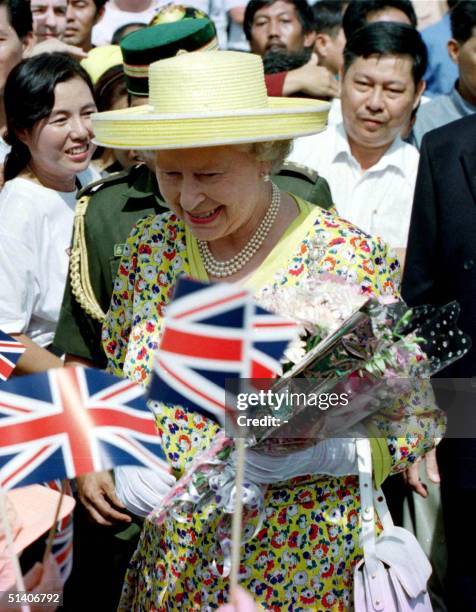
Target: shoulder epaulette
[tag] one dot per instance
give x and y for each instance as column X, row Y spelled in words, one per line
column 79, row 264
column 299, row 171
column 106, row 181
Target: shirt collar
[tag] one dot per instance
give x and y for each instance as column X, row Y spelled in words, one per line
column 394, row 156
column 463, row 107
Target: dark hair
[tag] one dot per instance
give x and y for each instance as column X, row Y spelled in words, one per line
column 123, row 31
column 303, row 11
column 99, row 4
column 110, row 87
column 358, row 11
column 283, row 61
column 328, row 16
column 463, row 20
column 29, row 96
column 388, row 38
column 19, row 16
column 452, row 3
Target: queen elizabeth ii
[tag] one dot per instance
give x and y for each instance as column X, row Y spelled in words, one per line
column 217, row 138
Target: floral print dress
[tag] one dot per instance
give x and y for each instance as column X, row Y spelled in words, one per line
column 302, row 555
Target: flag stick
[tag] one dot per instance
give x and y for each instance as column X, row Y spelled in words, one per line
column 20, row 584
column 54, row 527
column 236, row 520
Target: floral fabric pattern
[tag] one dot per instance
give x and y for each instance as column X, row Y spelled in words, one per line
column 303, row 554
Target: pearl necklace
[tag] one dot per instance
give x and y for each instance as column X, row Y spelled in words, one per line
column 222, row 269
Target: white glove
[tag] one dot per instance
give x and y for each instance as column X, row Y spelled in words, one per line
column 141, row 489
column 331, row 457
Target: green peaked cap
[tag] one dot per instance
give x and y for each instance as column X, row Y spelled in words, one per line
column 142, row 48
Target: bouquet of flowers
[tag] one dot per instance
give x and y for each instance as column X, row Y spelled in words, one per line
column 369, row 350
column 348, row 342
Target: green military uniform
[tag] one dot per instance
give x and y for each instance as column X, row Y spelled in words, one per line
column 305, row 183
column 107, row 210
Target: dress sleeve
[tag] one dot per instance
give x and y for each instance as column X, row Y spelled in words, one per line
column 415, row 409
column 387, row 270
column 154, row 256
column 118, row 322
column 378, row 272
column 275, row 83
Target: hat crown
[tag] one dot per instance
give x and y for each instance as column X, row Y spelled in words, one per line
column 203, row 81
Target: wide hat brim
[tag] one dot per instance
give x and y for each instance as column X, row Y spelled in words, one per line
column 142, row 128
column 35, row 509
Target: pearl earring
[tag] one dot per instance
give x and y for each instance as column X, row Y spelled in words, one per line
column 266, row 178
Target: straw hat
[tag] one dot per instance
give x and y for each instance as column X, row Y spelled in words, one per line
column 204, row 99
column 31, row 512
column 100, row 59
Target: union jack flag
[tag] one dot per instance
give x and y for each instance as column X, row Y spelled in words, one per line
column 214, row 333
column 62, row 548
column 10, row 352
column 71, row 421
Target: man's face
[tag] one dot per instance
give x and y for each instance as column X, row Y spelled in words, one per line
column 11, row 47
column 81, row 16
column 277, row 27
column 49, row 18
column 378, row 96
column 464, row 55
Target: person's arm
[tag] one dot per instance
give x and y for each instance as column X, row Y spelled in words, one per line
column 77, row 334
column 35, row 358
column 76, row 360
column 312, row 80
column 20, row 273
column 54, row 45
column 97, row 493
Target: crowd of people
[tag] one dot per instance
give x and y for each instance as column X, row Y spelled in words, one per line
column 141, row 142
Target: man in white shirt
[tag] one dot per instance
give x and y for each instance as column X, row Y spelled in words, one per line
column 370, row 170
column 119, row 12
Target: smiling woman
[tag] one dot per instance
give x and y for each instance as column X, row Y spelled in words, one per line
column 217, row 137
column 48, row 103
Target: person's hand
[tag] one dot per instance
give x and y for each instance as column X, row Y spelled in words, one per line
column 244, row 603
column 412, row 474
column 43, row 578
column 142, row 490
column 332, row 457
column 98, row 495
column 312, row 80
column 54, row 45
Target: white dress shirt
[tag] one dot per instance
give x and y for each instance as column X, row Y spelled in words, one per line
column 378, row 200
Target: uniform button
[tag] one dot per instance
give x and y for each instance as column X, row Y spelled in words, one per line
column 468, row 264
